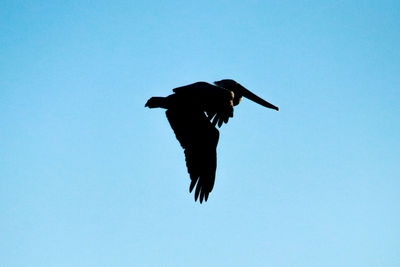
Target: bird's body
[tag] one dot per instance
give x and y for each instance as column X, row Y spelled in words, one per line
column 193, row 112
column 202, row 96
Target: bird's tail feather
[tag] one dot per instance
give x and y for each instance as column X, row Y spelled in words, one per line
column 156, row 102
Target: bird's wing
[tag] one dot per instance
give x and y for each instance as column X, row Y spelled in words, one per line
column 199, row 138
column 215, row 101
column 200, row 87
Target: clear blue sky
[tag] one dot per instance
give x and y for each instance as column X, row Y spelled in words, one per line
column 89, row 177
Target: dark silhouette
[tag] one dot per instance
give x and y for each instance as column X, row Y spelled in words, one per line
column 193, row 112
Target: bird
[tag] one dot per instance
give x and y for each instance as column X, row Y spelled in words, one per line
column 194, row 111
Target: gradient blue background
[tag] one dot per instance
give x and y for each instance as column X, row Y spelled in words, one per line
column 89, row 177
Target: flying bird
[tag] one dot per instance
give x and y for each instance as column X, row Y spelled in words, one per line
column 193, row 112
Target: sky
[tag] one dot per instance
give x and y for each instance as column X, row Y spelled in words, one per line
column 90, row 177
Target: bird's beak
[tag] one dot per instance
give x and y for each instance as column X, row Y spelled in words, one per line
column 246, row 93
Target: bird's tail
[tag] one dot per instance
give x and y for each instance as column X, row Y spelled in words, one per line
column 156, row 102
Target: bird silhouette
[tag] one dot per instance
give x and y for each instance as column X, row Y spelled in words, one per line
column 193, row 112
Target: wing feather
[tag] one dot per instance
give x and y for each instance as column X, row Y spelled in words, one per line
column 199, row 139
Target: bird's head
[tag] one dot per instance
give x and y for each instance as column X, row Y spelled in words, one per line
column 240, row 91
